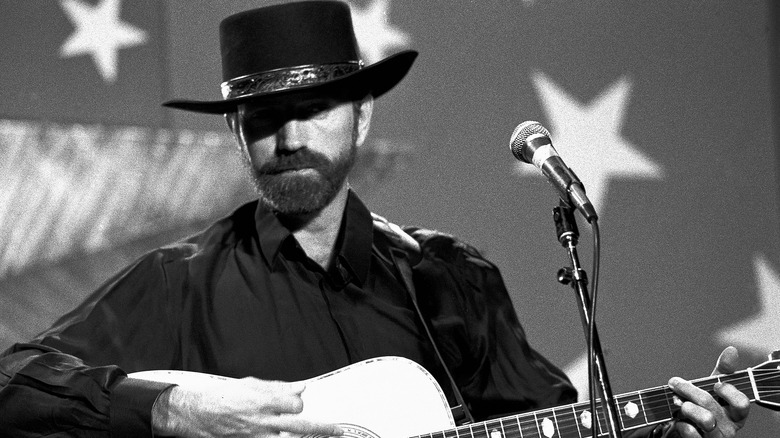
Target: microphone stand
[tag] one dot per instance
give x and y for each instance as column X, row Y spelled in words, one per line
column 568, row 234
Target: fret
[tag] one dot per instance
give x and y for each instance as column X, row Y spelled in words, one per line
column 601, row 416
column 463, row 431
column 763, row 385
column 707, row 384
column 642, row 406
column 555, row 421
column 478, row 431
column 547, row 427
column 584, row 419
column 528, row 427
column 494, row 429
column 567, row 422
column 717, row 397
column 451, row 433
column 656, row 404
column 673, row 402
column 629, row 411
column 503, row 432
column 511, row 427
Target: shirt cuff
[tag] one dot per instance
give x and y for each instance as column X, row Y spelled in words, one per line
column 131, row 406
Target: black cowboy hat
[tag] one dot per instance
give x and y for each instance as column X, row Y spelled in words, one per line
column 295, row 50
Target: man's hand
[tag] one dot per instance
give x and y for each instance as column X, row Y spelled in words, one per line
column 246, row 407
column 702, row 415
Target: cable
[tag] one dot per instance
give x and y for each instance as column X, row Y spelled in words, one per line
column 592, row 320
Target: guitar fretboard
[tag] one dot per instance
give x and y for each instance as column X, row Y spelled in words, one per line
column 636, row 409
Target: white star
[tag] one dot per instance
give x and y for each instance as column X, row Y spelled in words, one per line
column 587, row 136
column 761, row 332
column 374, row 33
column 99, row 33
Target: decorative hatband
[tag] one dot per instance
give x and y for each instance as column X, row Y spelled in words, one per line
column 286, row 78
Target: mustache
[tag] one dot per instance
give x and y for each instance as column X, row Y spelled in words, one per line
column 300, row 159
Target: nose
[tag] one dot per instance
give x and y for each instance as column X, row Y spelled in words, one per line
column 291, row 136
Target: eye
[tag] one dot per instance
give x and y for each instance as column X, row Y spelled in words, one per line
column 260, row 123
column 315, row 110
column 259, row 114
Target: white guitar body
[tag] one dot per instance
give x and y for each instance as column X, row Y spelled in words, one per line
column 385, row 397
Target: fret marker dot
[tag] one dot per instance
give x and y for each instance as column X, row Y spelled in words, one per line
column 495, row 433
column 548, row 428
column 631, row 410
column 585, row 419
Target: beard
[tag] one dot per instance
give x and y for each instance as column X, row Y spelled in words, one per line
column 285, row 189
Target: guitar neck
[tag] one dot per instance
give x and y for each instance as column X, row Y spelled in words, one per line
column 636, row 409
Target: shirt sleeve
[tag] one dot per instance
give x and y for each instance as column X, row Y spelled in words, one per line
column 72, row 379
column 481, row 338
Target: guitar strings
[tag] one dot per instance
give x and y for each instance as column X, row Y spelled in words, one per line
column 564, row 418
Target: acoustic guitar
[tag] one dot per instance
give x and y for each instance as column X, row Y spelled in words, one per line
column 393, row 397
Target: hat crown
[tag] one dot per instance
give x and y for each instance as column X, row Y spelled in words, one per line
column 295, row 51
column 286, row 35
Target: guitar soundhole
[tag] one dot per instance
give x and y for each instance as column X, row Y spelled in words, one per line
column 351, row 431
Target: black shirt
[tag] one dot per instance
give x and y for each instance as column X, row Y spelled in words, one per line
column 242, row 299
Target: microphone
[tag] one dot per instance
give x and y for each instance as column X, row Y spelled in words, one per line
column 530, row 143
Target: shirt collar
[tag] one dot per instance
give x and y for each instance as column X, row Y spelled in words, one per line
column 353, row 246
column 270, row 233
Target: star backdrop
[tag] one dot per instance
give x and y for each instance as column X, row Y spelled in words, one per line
column 665, row 110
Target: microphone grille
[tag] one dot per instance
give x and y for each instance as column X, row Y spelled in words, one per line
column 524, row 130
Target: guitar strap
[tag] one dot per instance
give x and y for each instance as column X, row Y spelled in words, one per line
column 461, row 412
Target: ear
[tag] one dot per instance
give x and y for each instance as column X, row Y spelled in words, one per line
column 364, row 119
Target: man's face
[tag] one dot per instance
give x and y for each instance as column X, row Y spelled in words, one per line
column 299, row 154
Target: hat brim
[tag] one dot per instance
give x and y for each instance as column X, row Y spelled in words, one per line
column 375, row 79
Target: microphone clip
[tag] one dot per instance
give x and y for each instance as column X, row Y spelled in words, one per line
column 565, row 224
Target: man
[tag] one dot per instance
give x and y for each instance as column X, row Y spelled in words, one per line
column 300, row 283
